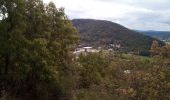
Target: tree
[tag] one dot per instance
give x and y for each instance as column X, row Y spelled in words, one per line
column 155, row 48
column 165, row 51
column 35, row 59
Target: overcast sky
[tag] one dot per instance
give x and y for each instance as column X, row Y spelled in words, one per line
column 134, row 14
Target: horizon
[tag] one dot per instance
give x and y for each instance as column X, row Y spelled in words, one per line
column 133, row 14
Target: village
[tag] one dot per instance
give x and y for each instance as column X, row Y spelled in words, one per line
column 88, row 49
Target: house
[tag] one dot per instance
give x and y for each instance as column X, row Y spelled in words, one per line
column 115, row 46
column 84, row 50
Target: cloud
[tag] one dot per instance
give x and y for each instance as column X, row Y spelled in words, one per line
column 134, row 14
column 149, row 4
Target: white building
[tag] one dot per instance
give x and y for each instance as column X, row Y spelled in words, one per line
column 85, row 49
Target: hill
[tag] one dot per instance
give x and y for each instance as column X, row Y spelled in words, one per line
column 101, row 33
column 162, row 35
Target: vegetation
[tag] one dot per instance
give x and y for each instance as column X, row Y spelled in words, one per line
column 123, row 77
column 36, row 61
column 109, row 77
column 35, row 43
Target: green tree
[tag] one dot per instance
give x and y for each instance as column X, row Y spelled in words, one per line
column 35, row 59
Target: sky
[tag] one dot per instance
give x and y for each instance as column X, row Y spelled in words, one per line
column 133, row 14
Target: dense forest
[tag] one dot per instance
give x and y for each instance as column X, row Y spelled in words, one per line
column 37, row 41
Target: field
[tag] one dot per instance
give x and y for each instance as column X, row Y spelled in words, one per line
column 143, row 58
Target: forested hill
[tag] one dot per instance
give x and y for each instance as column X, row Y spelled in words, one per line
column 102, row 33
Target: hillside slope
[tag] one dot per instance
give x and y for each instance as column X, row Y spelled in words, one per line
column 163, row 35
column 102, row 33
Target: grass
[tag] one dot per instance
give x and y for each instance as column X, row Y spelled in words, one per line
column 142, row 58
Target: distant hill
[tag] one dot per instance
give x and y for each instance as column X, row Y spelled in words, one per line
column 102, row 33
column 163, row 35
